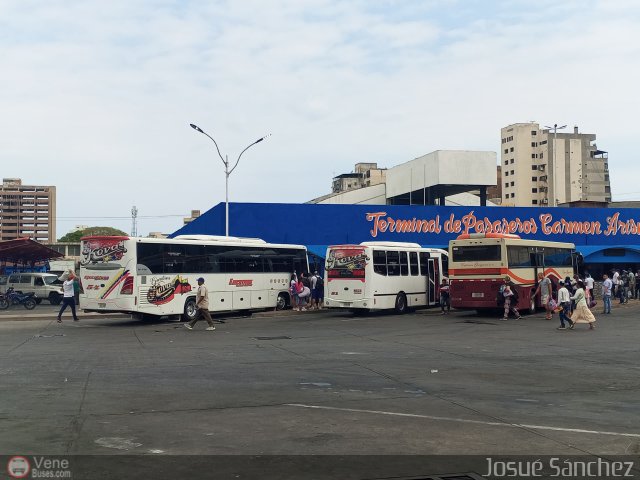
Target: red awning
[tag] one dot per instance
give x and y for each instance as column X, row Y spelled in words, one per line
column 25, row 250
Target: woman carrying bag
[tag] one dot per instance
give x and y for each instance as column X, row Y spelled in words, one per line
column 582, row 314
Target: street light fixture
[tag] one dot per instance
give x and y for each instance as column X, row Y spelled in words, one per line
column 227, row 171
column 555, row 129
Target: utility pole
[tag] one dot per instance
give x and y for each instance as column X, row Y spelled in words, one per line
column 134, row 221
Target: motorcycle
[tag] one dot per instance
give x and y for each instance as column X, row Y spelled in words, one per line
column 11, row 297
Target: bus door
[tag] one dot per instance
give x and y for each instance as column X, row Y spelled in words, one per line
column 429, row 268
column 432, row 275
column 577, row 261
column 537, row 261
column 434, row 280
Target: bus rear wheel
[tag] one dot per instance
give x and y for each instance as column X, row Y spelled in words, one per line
column 190, row 310
column 401, row 303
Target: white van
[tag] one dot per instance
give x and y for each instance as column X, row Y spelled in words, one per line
column 44, row 285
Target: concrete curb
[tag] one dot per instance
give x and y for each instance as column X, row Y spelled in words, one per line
column 14, row 316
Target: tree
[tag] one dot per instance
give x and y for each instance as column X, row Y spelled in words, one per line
column 78, row 234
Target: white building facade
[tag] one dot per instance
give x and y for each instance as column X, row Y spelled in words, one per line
column 443, row 177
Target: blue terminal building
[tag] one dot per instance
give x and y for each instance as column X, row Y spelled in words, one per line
column 607, row 238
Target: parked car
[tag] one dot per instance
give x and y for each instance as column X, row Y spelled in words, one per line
column 43, row 285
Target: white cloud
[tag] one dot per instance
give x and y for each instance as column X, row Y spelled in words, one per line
column 97, row 96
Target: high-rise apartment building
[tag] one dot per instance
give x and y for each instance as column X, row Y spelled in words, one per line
column 27, row 211
column 543, row 168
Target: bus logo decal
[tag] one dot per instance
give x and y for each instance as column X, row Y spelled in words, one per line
column 102, row 251
column 164, row 289
column 241, row 283
column 350, row 259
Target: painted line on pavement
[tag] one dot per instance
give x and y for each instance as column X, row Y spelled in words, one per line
column 463, row 420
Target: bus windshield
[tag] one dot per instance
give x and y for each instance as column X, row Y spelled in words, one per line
column 476, row 253
column 346, row 262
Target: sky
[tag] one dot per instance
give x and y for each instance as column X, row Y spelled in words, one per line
column 96, row 97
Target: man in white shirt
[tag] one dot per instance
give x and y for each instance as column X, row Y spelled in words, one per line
column 607, row 287
column 544, row 290
column 564, row 302
column 202, row 303
column 68, row 298
column 588, row 282
column 616, row 282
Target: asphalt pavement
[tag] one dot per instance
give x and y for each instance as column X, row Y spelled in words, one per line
column 321, row 383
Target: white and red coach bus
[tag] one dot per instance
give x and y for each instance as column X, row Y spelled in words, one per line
column 156, row 277
column 478, row 264
column 383, row 275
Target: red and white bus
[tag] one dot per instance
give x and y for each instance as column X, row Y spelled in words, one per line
column 478, row 264
column 156, row 277
column 383, row 275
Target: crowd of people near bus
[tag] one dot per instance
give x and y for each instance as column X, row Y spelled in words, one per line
column 573, row 298
column 307, row 292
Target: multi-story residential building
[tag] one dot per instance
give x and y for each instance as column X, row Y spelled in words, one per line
column 364, row 175
column 533, row 175
column 194, row 214
column 27, row 211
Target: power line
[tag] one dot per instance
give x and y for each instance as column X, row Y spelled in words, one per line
column 120, row 218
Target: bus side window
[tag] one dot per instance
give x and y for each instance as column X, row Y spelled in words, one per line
column 150, row 255
column 424, row 262
column 404, row 264
column 393, row 263
column 380, row 262
column 413, row 263
column 174, row 258
column 194, row 261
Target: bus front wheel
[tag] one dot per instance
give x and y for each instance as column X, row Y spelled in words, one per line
column 281, row 303
column 401, row 303
column 190, row 310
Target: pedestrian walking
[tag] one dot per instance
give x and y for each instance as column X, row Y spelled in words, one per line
column 544, row 290
column 582, row 314
column 317, row 290
column 305, row 293
column 445, row 297
column 623, row 283
column 616, row 282
column 320, row 291
column 293, row 291
column 68, row 297
column 564, row 303
column 607, row 288
column 510, row 297
column 76, row 291
column 588, row 283
column 202, row 304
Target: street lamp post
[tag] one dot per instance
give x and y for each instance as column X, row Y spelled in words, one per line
column 227, row 171
column 555, row 136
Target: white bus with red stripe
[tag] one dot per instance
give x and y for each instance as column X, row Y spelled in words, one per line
column 156, row 277
column 383, row 275
column 478, row 264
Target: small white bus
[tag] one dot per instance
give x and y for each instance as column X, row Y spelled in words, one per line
column 156, row 277
column 383, row 275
